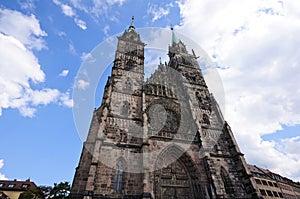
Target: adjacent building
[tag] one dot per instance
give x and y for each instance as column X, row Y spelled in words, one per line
column 13, row 188
column 272, row 185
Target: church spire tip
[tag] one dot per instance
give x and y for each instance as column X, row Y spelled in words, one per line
column 174, row 38
column 131, row 27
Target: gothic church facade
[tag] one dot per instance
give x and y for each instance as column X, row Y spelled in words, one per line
column 163, row 138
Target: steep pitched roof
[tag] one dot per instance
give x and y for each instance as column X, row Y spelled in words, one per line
column 14, row 185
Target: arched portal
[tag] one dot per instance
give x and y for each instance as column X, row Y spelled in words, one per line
column 176, row 177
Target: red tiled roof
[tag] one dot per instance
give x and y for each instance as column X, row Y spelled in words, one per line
column 14, row 185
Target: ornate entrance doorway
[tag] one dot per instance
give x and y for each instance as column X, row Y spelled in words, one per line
column 172, row 182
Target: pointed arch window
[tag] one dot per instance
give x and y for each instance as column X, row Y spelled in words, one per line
column 118, row 180
column 205, row 119
column 130, row 64
column 226, row 181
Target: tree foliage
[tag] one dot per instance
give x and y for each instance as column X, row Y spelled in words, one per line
column 58, row 191
column 31, row 194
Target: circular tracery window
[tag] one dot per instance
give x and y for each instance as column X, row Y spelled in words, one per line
column 162, row 119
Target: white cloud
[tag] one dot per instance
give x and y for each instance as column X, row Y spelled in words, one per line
column 96, row 8
column 19, row 68
column 65, row 100
column 81, row 24
column 82, row 84
column 256, row 43
column 157, row 12
column 64, row 73
column 112, row 2
column 2, row 176
column 44, row 96
column 67, row 10
column 87, row 57
column 105, row 30
column 291, row 147
column 24, row 28
column 70, row 12
column 61, row 34
column 72, row 49
column 27, row 4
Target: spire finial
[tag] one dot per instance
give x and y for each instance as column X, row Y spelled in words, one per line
column 160, row 60
column 132, row 24
column 174, row 38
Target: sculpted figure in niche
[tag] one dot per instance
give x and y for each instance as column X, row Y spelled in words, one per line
column 199, row 98
column 205, row 119
column 127, row 85
column 125, row 108
column 123, row 137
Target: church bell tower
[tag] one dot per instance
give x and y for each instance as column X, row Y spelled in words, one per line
column 162, row 138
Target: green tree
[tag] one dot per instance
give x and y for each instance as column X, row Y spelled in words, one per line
column 45, row 191
column 31, row 194
column 60, row 191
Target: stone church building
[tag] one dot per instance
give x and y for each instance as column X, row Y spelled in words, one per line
column 162, row 138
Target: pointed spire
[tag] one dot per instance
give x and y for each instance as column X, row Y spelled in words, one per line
column 131, row 27
column 174, row 38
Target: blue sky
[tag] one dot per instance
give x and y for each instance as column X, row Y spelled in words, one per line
column 255, row 45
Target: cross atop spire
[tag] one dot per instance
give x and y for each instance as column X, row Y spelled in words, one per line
column 131, row 27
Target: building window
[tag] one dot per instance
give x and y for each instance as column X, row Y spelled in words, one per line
column 257, row 181
column 118, row 180
column 275, row 194
column 1, row 184
column 264, row 182
column 24, row 185
column 129, row 65
column 280, row 195
column 269, row 193
column 263, row 192
column 11, row 185
column 270, row 183
column 226, row 181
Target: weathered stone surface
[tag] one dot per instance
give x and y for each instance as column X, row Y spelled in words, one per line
column 163, row 138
